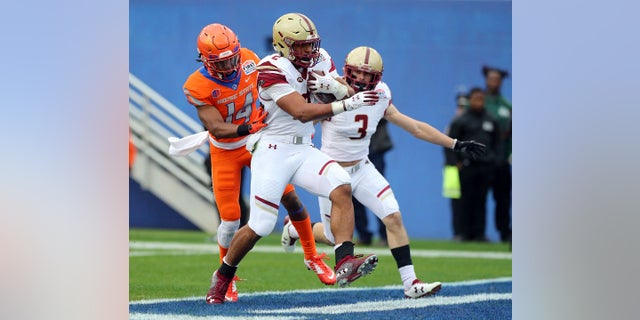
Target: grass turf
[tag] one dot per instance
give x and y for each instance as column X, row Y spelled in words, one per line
column 166, row 275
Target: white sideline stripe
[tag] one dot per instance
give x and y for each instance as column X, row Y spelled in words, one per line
column 360, row 307
column 155, row 316
column 388, row 305
column 263, row 293
column 202, row 248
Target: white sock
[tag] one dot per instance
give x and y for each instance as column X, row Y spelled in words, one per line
column 407, row 274
column 293, row 233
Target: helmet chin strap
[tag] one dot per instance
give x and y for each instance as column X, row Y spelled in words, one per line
column 228, row 76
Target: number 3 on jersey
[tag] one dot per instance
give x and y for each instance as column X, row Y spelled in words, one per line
column 362, row 130
column 244, row 114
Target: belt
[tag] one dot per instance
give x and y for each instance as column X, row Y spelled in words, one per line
column 354, row 168
column 288, row 139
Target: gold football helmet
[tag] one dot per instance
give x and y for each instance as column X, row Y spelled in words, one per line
column 368, row 61
column 295, row 37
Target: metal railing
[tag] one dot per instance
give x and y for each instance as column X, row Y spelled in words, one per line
column 152, row 120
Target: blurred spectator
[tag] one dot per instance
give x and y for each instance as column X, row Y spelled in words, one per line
column 451, row 175
column 500, row 108
column 380, row 144
column 475, row 174
column 132, row 151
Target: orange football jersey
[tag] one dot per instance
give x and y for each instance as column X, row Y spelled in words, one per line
column 236, row 101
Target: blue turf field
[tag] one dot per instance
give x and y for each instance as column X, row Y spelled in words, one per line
column 484, row 299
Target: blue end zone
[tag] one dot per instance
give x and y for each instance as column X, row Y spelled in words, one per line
column 488, row 300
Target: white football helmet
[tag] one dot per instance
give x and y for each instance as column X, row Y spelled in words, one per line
column 290, row 33
column 365, row 59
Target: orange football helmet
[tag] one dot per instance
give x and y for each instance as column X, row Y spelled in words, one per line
column 219, row 51
column 291, row 34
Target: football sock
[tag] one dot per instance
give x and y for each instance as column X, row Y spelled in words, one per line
column 402, row 255
column 227, row 270
column 223, row 252
column 342, row 250
column 407, row 274
column 303, row 227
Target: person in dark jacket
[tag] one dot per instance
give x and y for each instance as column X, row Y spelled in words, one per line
column 500, row 108
column 475, row 174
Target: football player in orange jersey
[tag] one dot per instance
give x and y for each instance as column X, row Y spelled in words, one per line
column 224, row 91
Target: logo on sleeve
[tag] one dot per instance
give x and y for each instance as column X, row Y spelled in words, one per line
column 249, row 67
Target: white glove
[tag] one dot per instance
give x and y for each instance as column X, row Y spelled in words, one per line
column 360, row 99
column 325, row 83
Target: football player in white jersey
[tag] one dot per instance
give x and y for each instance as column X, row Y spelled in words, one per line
column 346, row 137
column 283, row 152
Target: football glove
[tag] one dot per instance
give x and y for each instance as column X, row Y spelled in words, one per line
column 474, row 149
column 325, row 83
column 360, row 99
column 255, row 126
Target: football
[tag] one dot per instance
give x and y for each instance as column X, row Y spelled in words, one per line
column 324, row 97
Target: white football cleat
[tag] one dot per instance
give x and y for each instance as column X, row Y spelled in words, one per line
column 288, row 243
column 421, row 289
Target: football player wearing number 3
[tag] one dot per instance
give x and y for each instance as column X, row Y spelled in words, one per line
column 224, row 91
column 346, row 137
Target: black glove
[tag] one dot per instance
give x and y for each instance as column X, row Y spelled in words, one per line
column 474, row 149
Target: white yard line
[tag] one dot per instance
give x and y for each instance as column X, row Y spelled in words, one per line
column 147, row 248
column 387, row 305
column 359, row 307
column 263, row 293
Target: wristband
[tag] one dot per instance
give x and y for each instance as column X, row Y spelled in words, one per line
column 338, row 107
column 454, row 144
column 243, row 130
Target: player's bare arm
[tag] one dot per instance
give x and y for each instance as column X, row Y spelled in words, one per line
column 418, row 129
column 298, row 107
column 303, row 111
column 212, row 120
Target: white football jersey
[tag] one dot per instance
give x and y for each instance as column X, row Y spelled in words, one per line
column 278, row 77
column 346, row 136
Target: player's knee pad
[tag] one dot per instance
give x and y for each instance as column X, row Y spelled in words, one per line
column 262, row 222
column 226, row 230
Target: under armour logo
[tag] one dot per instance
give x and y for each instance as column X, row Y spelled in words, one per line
column 275, row 146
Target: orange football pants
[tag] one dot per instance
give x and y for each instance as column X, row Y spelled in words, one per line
column 226, row 171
